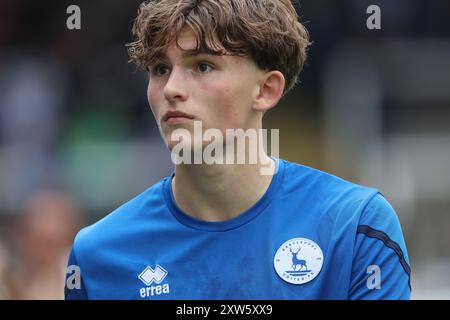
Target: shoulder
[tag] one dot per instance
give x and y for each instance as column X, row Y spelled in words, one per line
column 123, row 219
column 380, row 222
column 380, row 268
column 323, row 181
column 379, row 214
column 340, row 198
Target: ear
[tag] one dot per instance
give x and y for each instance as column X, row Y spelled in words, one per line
column 270, row 91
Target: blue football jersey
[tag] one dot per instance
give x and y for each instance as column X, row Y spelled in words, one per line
column 311, row 236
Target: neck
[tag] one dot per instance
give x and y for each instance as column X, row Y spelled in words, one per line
column 222, row 191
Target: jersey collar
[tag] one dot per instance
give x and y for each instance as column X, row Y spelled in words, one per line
column 243, row 218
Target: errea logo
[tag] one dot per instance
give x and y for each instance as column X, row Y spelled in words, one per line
column 150, row 275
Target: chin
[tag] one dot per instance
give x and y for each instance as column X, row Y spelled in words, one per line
column 180, row 139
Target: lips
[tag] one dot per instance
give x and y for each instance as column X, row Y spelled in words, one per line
column 176, row 116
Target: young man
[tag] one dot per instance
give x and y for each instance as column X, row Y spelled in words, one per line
column 227, row 231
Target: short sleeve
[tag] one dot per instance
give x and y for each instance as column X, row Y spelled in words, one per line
column 380, row 266
column 74, row 286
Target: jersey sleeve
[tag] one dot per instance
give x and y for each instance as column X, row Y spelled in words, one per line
column 74, row 286
column 380, row 267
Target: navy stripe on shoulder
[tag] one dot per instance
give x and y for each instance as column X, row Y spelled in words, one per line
column 388, row 242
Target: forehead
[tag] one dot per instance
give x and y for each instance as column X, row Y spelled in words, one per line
column 186, row 44
column 186, row 40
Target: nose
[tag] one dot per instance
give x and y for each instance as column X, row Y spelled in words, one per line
column 175, row 88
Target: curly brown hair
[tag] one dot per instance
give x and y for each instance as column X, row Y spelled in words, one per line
column 267, row 31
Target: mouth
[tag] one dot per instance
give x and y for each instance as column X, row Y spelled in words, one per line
column 176, row 117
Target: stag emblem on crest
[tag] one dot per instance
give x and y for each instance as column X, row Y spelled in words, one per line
column 298, row 260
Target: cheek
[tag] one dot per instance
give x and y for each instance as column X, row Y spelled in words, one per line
column 222, row 105
column 153, row 99
column 225, row 110
column 231, row 107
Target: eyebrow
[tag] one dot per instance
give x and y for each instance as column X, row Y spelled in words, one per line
column 192, row 53
column 203, row 51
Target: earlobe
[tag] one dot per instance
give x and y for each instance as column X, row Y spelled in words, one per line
column 271, row 89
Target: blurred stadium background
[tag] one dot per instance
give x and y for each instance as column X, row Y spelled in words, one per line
column 77, row 138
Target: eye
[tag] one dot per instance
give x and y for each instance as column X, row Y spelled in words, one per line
column 160, row 70
column 204, row 67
